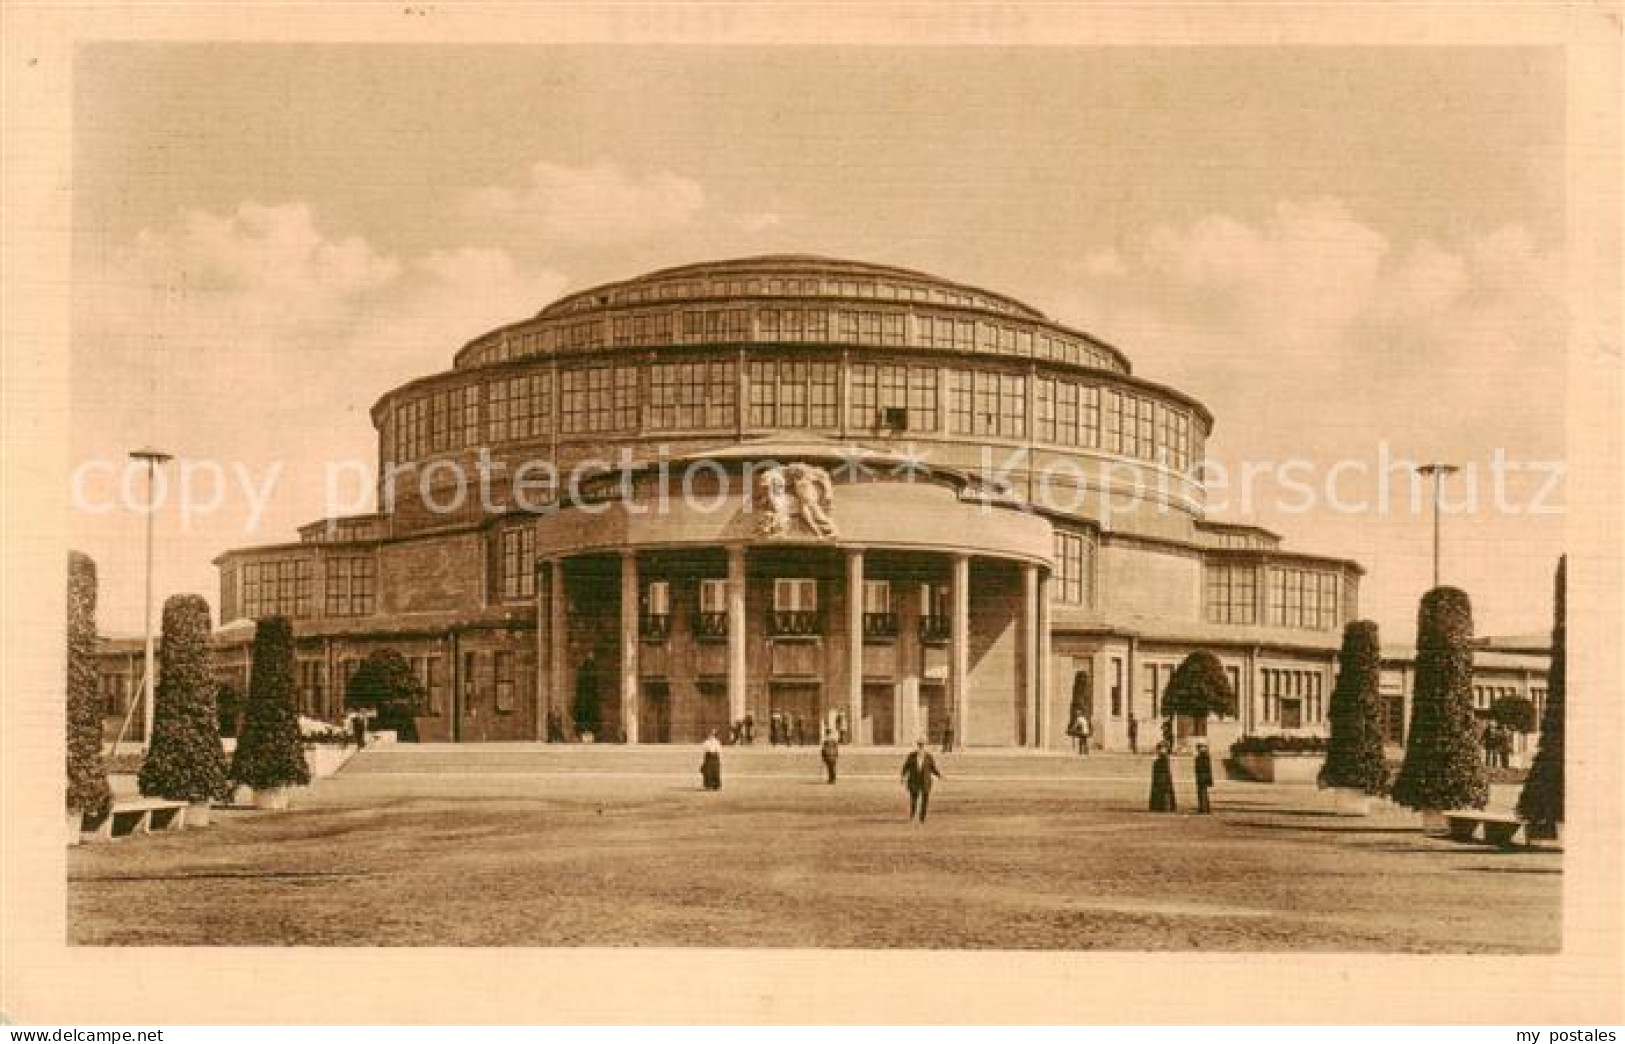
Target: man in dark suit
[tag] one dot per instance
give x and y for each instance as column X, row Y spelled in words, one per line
column 918, row 772
column 1204, row 779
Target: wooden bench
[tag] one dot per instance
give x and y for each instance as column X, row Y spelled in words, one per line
column 138, row 816
column 1499, row 829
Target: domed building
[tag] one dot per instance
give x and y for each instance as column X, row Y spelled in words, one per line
column 847, row 495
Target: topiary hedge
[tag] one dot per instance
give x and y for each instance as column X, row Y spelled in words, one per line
column 1541, row 801
column 1444, row 766
column 88, row 791
column 1514, row 713
column 385, row 684
column 1354, row 757
column 1278, row 745
column 1199, row 688
column 185, row 761
column 270, row 752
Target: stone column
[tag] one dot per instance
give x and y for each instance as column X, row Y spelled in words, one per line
column 1029, row 653
column 1046, row 660
column 629, row 645
column 736, row 634
column 959, row 648
column 854, row 640
column 543, row 660
column 560, row 696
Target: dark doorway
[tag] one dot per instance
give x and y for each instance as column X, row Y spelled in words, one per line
column 879, row 704
column 933, row 710
column 796, row 702
column 654, row 713
column 711, row 714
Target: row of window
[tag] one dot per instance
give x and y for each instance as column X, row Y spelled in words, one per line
column 1484, row 696
column 286, row 587
column 1074, row 569
column 504, row 678
column 790, row 286
column 1306, row 599
column 704, row 396
column 799, row 325
column 1293, row 698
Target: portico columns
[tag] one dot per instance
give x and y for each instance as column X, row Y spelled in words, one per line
column 959, row 649
column 558, row 645
column 736, row 634
column 629, row 645
column 854, row 640
column 543, row 675
column 1030, row 688
column 1045, row 659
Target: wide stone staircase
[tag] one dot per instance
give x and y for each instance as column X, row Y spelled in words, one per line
column 757, row 759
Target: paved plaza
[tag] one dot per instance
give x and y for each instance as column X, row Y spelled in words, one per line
column 546, row 846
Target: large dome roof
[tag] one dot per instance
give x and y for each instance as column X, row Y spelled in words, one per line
column 834, row 276
column 792, row 299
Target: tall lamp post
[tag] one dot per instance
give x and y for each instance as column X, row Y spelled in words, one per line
column 1438, row 473
column 153, row 458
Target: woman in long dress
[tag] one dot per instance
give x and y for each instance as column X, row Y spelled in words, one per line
column 1162, row 782
column 711, row 764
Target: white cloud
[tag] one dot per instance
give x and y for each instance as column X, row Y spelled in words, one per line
column 257, row 337
column 596, row 204
column 1314, row 334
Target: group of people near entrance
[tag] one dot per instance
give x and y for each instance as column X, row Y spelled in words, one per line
column 919, row 769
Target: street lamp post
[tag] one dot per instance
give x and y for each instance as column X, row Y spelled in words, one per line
column 153, row 458
column 1437, row 472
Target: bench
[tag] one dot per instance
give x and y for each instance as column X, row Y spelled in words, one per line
column 1499, row 828
column 138, row 816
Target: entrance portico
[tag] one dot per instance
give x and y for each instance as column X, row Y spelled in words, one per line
column 919, row 617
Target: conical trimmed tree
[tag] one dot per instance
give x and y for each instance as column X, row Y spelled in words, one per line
column 269, row 751
column 1354, row 757
column 385, row 684
column 88, row 792
column 1541, row 802
column 1199, row 688
column 1444, row 766
column 185, row 761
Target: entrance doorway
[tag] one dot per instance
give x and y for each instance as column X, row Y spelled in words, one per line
column 712, row 711
column 933, row 711
column 654, row 712
column 796, row 703
column 879, row 713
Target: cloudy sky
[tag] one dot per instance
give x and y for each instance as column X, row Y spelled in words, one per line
column 1344, row 253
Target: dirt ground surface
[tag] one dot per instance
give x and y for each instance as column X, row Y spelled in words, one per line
column 539, row 846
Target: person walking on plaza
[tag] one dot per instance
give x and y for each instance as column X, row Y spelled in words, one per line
column 711, row 762
column 1204, row 779
column 750, row 728
column 831, row 752
column 775, row 729
column 918, row 772
column 800, row 730
column 1162, row 782
column 1133, row 734
column 358, row 729
column 947, row 735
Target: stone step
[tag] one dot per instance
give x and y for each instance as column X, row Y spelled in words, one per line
column 541, row 758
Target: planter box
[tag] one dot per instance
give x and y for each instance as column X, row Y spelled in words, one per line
column 324, row 759
column 1280, row 767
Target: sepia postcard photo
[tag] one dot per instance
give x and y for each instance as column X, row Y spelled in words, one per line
column 1008, row 513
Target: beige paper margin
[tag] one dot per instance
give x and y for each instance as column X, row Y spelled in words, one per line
column 46, row 982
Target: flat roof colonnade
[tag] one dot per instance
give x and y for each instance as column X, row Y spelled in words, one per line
column 593, row 608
